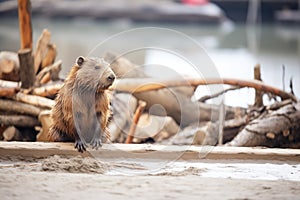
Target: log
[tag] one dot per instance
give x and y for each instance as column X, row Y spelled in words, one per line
column 135, row 121
column 19, row 120
column 50, row 56
column 27, row 74
column 9, row 66
column 24, row 11
column 48, row 73
column 8, row 92
column 143, row 85
column 47, row 90
column 35, row 100
column 41, row 49
column 272, row 129
column 18, row 107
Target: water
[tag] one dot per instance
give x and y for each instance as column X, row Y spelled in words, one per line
column 234, row 49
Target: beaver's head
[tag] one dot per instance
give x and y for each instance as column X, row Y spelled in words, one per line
column 94, row 73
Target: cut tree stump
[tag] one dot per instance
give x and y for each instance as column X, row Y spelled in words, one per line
column 27, row 74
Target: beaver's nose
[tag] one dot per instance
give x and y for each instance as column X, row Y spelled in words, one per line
column 111, row 78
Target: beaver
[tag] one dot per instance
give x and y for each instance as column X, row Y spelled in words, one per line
column 82, row 106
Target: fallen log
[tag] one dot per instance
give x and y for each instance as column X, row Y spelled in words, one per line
column 18, row 107
column 147, row 84
column 19, row 120
column 35, row 100
column 273, row 128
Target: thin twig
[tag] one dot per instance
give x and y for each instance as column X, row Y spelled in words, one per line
column 207, row 97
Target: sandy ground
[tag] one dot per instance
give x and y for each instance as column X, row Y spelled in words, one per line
column 87, row 178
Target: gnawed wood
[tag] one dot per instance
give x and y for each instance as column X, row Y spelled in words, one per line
column 41, row 49
column 18, row 107
column 19, row 120
column 50, row 56
column 27, row 74
column 271, row 128
column 35, row 100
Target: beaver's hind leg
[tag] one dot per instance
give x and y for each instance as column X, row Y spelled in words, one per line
column 79, row 144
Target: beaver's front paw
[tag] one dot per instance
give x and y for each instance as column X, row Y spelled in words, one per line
column 96, row 143
column 80, row 146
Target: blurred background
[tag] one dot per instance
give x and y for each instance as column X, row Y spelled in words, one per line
column 236, row 34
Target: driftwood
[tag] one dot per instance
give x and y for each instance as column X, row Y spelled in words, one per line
column 19, row 120
column 8, row 91
column 24, row 10
column 49, row 73
column 35, row 100
column 273, row 128
column 18, row 107
column 9, row 66
column 135, row 121
column 143, row 85
column 50, row 56
column 41, row 49
column 27, row 74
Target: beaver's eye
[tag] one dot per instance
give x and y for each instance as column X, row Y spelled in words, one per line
column 97, row 67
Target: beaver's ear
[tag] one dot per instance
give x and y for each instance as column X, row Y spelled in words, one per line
column 80, row 60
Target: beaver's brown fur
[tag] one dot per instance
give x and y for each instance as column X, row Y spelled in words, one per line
column 82, row 108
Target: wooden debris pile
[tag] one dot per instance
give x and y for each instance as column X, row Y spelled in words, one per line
column 276, row 125
column 29, row 82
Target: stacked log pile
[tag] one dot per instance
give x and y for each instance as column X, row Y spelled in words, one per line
column 29, row 82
